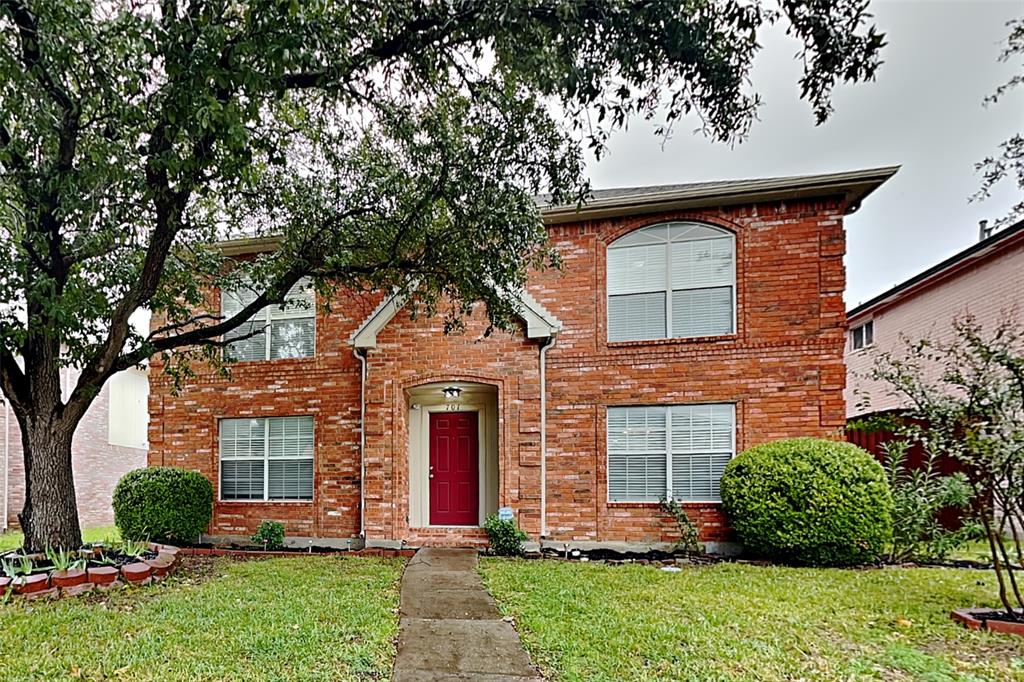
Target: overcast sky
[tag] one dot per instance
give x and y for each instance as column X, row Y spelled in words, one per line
column 924, row 111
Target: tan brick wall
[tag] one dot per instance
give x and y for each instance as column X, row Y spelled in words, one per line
column 783, row 368
column 97, row 464
column 991, row 289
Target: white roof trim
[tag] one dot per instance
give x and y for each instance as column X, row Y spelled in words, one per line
column 540, row 323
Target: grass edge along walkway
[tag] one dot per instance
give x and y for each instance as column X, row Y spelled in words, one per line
column 591, row 621
column 304, row 618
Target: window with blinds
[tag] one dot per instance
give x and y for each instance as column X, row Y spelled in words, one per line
column 277, row 331
column 661, row 451
column 673, row 280
column 266, row 459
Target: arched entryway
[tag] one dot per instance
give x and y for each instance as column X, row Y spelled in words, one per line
column 453, row 454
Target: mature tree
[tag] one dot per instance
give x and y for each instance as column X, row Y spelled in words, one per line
column 966, row 400
column 1008, row 164
column 387, row 144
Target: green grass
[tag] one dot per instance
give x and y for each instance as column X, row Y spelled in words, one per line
column 13, row 539
column 309, row 618
column 742, row 622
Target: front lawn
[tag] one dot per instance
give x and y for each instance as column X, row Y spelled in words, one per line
column 589, row 621
column 306, row 618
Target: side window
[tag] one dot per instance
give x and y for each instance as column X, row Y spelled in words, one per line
column 128, row 416
column 276, row 332
column 678, row 450
column 675, row 280
column 863, row 335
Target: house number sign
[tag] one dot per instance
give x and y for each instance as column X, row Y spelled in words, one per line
column 453, row 407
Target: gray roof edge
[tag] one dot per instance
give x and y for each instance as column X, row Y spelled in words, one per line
column 855, row 185
column 980, row 249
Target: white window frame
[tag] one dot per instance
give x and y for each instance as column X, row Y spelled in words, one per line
column 668, row 242
column 669, row 494
column 862, row 328
column 301, row 290
column 266, row 459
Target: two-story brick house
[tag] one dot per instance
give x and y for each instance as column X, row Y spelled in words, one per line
column 688, row 322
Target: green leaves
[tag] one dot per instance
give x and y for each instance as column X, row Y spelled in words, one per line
column 809, row 501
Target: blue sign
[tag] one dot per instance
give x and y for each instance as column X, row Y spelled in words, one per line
column 505, row 513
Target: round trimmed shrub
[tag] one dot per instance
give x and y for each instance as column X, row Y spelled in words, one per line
column 809, row 501
column 163, row 504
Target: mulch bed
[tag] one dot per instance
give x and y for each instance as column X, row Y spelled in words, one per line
column 995, row 620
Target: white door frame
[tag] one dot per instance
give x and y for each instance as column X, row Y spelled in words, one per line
column 480, row 454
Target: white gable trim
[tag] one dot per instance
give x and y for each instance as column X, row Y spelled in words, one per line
column 540, row 324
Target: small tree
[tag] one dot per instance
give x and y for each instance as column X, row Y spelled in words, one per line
column 972, row 408
column 919, row 494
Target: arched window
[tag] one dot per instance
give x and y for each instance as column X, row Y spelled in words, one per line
column 673, row 280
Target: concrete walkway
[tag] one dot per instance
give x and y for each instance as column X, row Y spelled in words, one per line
column 450, row 627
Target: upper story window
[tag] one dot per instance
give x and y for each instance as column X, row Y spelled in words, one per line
column 674, row 280
column 287, row 331
column 863, row 335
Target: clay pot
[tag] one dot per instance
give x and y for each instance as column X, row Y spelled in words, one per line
column 103, row 575
column 68, row 578
column 136, row 572
column 27, row 584
column 5, row 582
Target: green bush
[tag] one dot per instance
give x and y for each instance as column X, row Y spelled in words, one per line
column 164, row 504
column 506, row 537
column 270, row 534
column 809, row 501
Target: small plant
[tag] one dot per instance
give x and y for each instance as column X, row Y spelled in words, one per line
column 64, row 560
column 107, row 560
column 134, row 548
column 16, row 566
column 919, row 494
column 506, row 538
column 9, row 568
column 689, row 536
column 270, row 534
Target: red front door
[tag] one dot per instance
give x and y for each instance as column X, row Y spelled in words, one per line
column 454, row 469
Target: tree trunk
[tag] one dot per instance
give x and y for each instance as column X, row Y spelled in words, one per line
column 50, row 515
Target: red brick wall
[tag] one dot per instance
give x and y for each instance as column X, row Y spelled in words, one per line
column 97, row 464
column 783, row 368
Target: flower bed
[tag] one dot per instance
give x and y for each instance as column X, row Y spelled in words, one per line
column 993, row 620
column 52, row 575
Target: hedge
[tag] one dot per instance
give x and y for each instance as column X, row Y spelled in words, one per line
column 163, row 504
column 809, row 501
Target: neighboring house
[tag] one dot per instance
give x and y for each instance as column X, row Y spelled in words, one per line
column 985, row 280
column 109, row 441
column 688, row 322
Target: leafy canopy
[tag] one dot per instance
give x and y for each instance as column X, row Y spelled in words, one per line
column 1008, row 163
column 395, row 144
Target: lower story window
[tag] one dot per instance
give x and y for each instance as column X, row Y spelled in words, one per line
column 676, row 451
column 266, row 459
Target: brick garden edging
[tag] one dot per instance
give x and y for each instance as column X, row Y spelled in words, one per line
column 974, row 619
column 56, row 584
